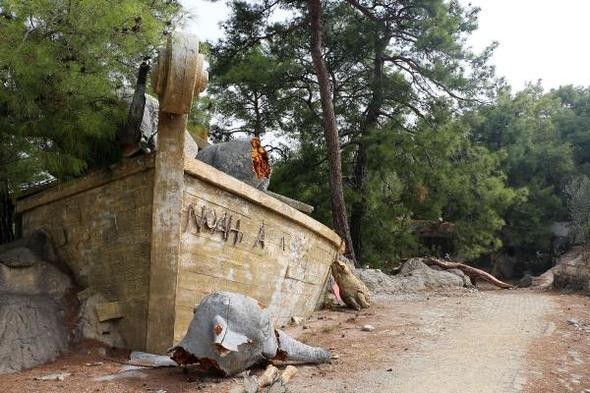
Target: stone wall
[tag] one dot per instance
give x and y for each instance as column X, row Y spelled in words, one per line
column 101, row 226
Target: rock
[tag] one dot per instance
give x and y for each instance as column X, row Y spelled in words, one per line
column 131, row 367
column 54, row 377
column 296, row 321
column 278, row 387
column 433, row 279
column 466, row 280
column 151, row 360
column 29, row 266
column 33, row 331
column 33, row 283
column 94, row 364
column 236, row 159
column 545, row 280
column 19, row 257
column 98, row 351
column 250, row 384
column 412, row 264
column 39, row 278
column 526, row 281
column 132, row 374
column 29, row 250
column 368, row 328
column 91, row 328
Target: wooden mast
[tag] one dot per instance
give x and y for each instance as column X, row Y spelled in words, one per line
column 178, row 76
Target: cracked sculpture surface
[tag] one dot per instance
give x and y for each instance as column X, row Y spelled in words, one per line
column 231, row 332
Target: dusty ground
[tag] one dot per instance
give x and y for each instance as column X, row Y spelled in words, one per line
column 491, row 341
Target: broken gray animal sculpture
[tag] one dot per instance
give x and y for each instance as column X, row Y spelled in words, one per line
column 235, row 159
column 148, row 129
column 230, row 333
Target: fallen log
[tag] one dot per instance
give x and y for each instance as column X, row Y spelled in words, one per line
column 470, row 271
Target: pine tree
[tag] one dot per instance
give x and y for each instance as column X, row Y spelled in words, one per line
column 61, row 65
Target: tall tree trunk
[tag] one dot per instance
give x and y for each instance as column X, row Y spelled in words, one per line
column 6, row 214
column 358, row 208
column 339, row 216
column 6, row 203
column 361, row 170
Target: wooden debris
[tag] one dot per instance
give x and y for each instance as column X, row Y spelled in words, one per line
column 270, row 375
column 288, row 374
column 470, row 271
column 53, row 377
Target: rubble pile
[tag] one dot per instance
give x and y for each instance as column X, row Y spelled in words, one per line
column 414, row 276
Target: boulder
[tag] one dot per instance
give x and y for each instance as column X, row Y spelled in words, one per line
column 411, row 265
column 32, row 331
column 33, row 284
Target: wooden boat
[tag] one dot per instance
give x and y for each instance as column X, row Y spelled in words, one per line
column 157, row 233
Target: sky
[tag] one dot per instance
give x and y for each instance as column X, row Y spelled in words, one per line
column 539, row 39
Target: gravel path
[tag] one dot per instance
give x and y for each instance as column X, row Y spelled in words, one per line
column 476, row 344
column 489, row 341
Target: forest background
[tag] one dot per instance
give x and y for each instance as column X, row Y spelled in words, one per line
column 438, row 155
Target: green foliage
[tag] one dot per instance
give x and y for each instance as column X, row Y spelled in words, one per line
column 248, row 100
column 440, row 175
column 61, row 64
column 420, row 49
column 573, row 123
column 523, row 129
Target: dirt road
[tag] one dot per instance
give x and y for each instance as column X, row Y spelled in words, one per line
column 492, row 341
column 472, row 344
